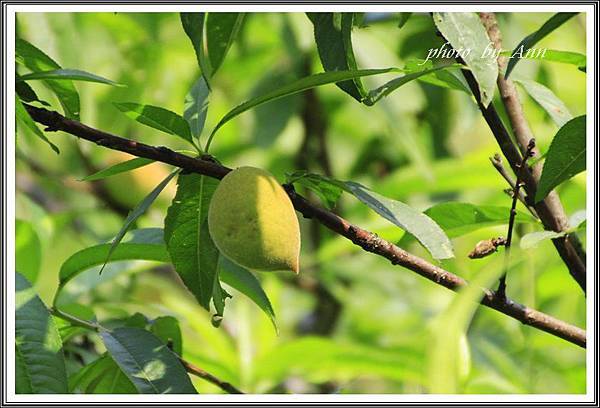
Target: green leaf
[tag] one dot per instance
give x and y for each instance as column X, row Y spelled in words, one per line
column 143, row 244
column 28, row 250
column 443, row 78
column 464, row 31
column 26, row 93
column 73, row 74
column 299, row 85
column 429, row 234
column 577, row 219
column 137, row 212
column 328, row 192
column 221, row 30
column 390, row 86
column 403, row 19
column 157, row 118
column 557, row 110
column 245, row 282
column 333, row 33
column 534, row 238
column 166, row 328
column 37, row 61
column 192, row 251
column 196, row 106
column 458, row 219
column 565, row 157
column 119, row 168
column 528, row 42
column 193, row 25
column 147, row 362
column 564, row 57
column 40, row 363
column 102, row 376
column 24, row 118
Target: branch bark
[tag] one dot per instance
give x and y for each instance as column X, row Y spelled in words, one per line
column 366, row 240
column 550, row 211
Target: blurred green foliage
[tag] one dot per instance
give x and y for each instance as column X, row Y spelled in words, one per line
column 351, row 323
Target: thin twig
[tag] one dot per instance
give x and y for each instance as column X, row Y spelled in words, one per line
column 511, row 221
column 499, row 166
column 364, row 239
column 550, row 210
column 198, row 372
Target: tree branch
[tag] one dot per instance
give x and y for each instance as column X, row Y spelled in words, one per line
column 550, row 210
column 364, row 239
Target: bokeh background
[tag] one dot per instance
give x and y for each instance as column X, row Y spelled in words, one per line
column 351, row 322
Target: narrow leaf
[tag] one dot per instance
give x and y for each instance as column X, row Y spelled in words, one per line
column 157, row 118
column 333, row 37
column 534, row 238
column 147, row 362
column 429, row 234
column 299, row 85
column 40, row 363
column 528, row 42
column 389, row 87
column 119, row 168
column 145, row 244
column 37, row 61
column 245, row 282
column 190, row 246
column 327, row 191
column 73, row 74
column 196, row 106
column 556, row 108
column 24, row 118
column 564, row 57
column 221, row 30
column 137, row 212
column 466, row 34
column 193, row 25
column 565, row 157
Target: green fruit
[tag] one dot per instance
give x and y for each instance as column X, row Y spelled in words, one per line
column 252, row 221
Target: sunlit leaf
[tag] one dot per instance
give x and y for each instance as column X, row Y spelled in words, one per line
column 464, row 31
column 328, row 192
column 551, row 103
column 427, row 231
column 119, row 168
column 72, row 74
column 193, row 25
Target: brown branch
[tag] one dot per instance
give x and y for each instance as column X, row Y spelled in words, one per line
column 499, row 166
column 198, row 372
column 550, row 210
column 365, row 239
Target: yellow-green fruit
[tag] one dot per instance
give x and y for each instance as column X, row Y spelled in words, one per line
column 252, row 221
